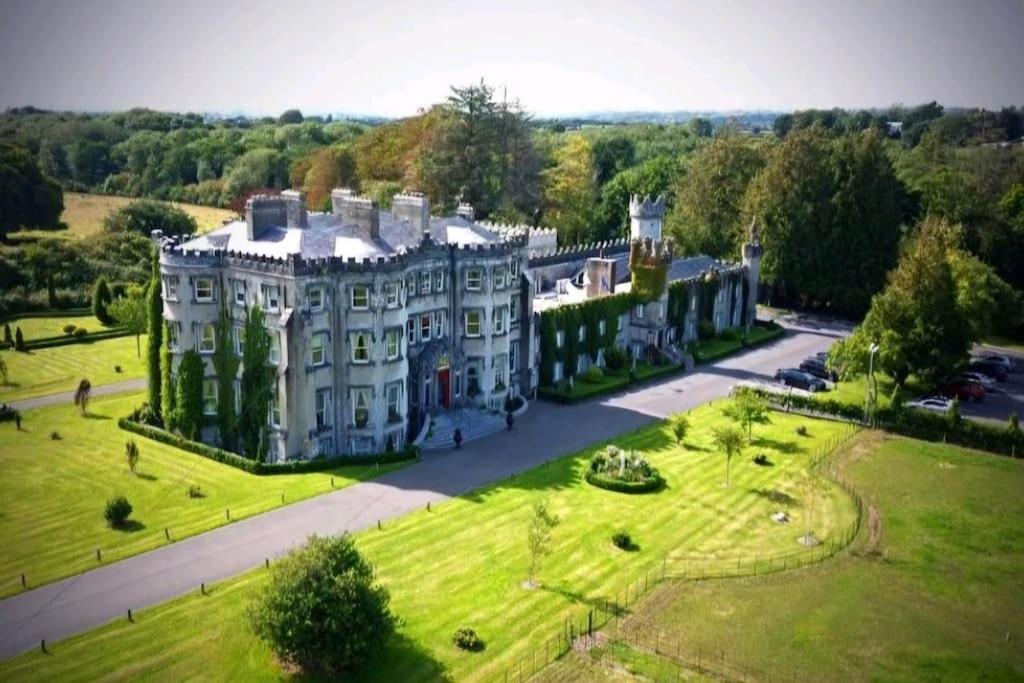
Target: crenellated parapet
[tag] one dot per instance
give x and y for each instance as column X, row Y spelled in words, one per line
column 579, row 252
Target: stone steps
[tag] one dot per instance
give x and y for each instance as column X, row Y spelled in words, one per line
column 474, row 427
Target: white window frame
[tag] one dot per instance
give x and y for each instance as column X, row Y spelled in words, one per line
column 425, row 282
column 438, row 320
column 315, row 296
column 392, row 343
column 174, row 335
column 478, row 325
column 274, row 352
column 410, row 329
column 474, row 279
column 239, row 287
column 274, row 411
column 410, row 284
column 203, row 327
column 559, row 338
column 558, row 371
column 209, row 285
column 270, row 298
column 439, row 281
column 426, row 330
column 500, row 277
column 638, row 311
column 355, row 338
column 513, row 358
column 318, row 349
column 602, row 326
column 365, row 290
column 209, row 396
column 500, row 368
column 363, row 393
column 322, row 409
column 499, row 320
column 391, row 294
column 239, row 340
column 581, row 334
column 393, row 399
column 514, row 269
column 171, row 287
column 513, row 310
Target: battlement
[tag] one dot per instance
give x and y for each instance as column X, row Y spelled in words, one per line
column 650, row 252
column 646, row 208
column 579, row 252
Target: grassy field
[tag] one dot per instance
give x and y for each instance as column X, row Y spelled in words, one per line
column 60, row 368
column 51, row 513
column 84, row 214
column 464, row 563
column 38, row 328
column 937, row 595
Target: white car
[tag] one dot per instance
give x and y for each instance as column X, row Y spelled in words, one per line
column 936, row 404
column 987, row 383
column 1005, row 361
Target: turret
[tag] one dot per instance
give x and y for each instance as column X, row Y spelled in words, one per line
column 645, row 216
column 752, row 262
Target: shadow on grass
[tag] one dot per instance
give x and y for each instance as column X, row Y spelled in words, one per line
column 146, row 476
column 401, row 659
column 95, row 416
column 129, row 526
column 785, row 447
column 775, row 496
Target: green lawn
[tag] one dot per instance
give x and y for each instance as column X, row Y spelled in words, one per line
column 51, row 513
column 854, row 391
column 610, row 381
column 60, row 368
column 464, row 563
column 941, row 596
column 717, row 347
column 38, row 328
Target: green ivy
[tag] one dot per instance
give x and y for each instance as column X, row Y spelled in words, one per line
column 648, row 281
column 569, row 318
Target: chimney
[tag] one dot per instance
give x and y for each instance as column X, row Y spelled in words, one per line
column 599, row 277
column 359, row 211
column 415, row 208
column 262, row 212
column 466, row 211
column 295, row 208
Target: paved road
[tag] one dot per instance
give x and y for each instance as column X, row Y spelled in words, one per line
column 69, row 396
column 546, row 431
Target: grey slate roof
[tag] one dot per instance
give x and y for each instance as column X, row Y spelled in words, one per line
column 679, row 269
column 326, row 235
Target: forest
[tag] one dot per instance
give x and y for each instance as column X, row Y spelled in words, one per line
column 835, row 192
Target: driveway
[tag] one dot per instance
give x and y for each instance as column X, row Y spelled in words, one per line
column 136, row 384
column 546, row 431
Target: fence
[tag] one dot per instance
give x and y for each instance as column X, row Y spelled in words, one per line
column 581, row 630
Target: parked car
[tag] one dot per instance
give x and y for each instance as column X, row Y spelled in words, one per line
column 817, row 367
column 791, row 377
column 984, row 380
column 965, row 390
column 993, row 369
column 936, row 404
column 999, row 358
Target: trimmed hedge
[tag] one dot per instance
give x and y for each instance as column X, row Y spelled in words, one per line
column 727, row 347
column 49, row 313
column 620, row 486
column 586, row 390
column 916, row 424
column 66, row 339
column 262, row 468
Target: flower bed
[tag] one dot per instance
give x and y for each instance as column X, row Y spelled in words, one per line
column 615, row 470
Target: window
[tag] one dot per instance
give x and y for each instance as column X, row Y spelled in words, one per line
column 559, row 371
column 204, row 289
column 514, row 269
column 323, row 409
column 361, row 347
column 513, row 357
column 270, row 297
column 391, row 294
column 410, row 284
column 392, row 343
column 207, row 339
column 274, row 411
column 425, row 282
column 318, row 349
column 209, row 397
column 472, row 379
column 274, row 354
column 425, row 327
column 238, row 397
column 438, row 324
column 560, row 338
column 173, row 335
column 316, row 298
column 602, row 327
column 582, row 335
column 500, row 372
column 394, row 396
column 499, row 277
column 638, row 311
column 361, row 445
column 239, row 340
column 581, row 363
column 458, row 384
column 693, row 301
column 360, row 297
column 360, row 406
column 239, row 287
column 473, row 323
column 410, row 330
column 500, row 314
column 473, row 279
column 171, row 287
column 439, row 281
column 513, row 307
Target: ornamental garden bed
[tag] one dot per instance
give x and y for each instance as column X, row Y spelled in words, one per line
column 616, row 470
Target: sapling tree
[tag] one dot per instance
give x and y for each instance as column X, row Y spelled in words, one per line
column 538, row 537
column 130, row 313
column 807, row 487
column 680, row 426
column 729, row 440
column 131, row 455
column 4, row 378
column 82, row 395
column 747, row 408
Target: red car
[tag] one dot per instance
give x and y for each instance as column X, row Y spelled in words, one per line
column 965, row 390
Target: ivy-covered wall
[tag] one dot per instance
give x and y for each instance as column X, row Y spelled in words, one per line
column 569, row 319
column 678, row 306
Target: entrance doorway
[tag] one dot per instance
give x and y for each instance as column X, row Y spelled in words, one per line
column 444, row 389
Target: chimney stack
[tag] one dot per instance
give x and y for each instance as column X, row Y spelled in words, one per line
column 295, row 208
column 415, row 208
column 262, row 212
column 359, row 211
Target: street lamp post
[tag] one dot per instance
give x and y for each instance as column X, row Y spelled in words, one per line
column 872, row 389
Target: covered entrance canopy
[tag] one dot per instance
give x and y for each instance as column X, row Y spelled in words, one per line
column 435, row 380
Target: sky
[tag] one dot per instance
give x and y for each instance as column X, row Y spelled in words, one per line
column 393, row 57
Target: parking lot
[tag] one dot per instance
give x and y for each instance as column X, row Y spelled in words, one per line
column 1007, row 397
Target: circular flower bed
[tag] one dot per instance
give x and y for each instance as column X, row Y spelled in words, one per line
column 616, row 470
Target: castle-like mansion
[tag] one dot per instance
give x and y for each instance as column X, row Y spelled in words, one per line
column 378, row 319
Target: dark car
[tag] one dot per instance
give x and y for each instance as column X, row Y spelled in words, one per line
column 815, row 366
column 994, row 370
column 799, row 379
column 965, row 390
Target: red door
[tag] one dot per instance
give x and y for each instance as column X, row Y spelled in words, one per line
column 444, row 387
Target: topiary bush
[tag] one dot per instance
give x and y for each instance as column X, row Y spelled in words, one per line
column 801, row 430
column 69, row 328
column 117, row 511
column 622, row 540
column 615, row 470
column 466, row 638
column 615, row 358
column 321, row 609
column 195, row 491
column 593, row 375
column 80, row 332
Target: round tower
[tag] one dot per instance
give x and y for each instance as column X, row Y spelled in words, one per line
column 752, row 262
column 645, row 216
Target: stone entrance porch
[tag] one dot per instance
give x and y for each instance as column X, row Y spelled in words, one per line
column 473, row 422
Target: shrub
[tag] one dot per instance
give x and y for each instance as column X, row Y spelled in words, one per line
column 80, row 332
column 622, row 540
column 55, row 436
column 19, row 339
column 1014, row 424
column 101, row 298
column 117, row 511
column 69, row 328
column 131, row 455
column 680, row 426
column 801, row 430
column 466, row 638
column 612, row 469
column 195, row 491
column 593, row 375
column 4, row 377
column 320, row 607
column 615, row 358
column 729, row 335
column 705, row 329
column 117, row 369
column 8, row 338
